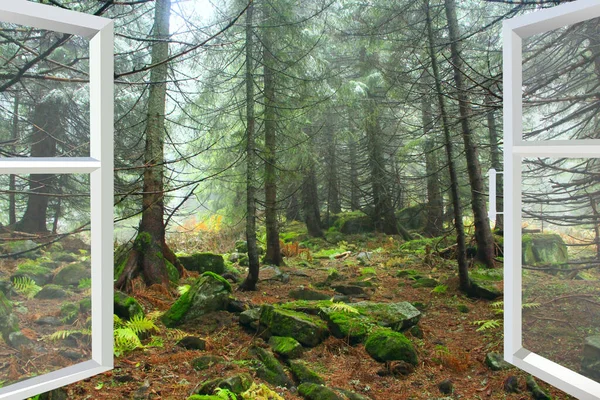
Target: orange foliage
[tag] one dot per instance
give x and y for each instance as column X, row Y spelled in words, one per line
column 293, row 250
column 213, row 223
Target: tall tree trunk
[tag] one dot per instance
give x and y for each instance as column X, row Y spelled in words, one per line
column 354, row 186
column 253, row 264
column 435, row 203
column 273, row 253
column 12, row 185
column 383, row 216
column 461, row 251
column 310, row 203
column 333, row 189
column 495, row 161
column 483, row 232
column 151, row 252
column 47, row 126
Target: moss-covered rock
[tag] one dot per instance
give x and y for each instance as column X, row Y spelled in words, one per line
column 203, row 262
column 71, row 274
column 386, row 345
column 484, row 290
column 496, row 362
column 20, row 249
column 590, row 363
column 236, row 384
column 314, row 391
column 544, row 249
column 62, row 256
column 172, row 272
column 241, row 246
column 306, row 329
column 250, row 318
column 205, row 362
column 69, row 312
column 308, row 294
column 354, row 222
column 397, row 316
column 209, row 293
column 8, row 321
column 425, row 283
column 269, row 369
column 352, row 327
column 285, row 346
column 204, row 397
column 303, row 373
column 126, row 307
column 536, row 391
column 51, row 291
column 31, row 269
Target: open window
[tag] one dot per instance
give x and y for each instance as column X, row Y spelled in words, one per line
column 69, row 188
column 552, row 190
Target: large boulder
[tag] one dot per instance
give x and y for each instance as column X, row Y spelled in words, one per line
column 590, row 363
column 286, row 347
column 203, row 262
column 209, row 293
column 306, row 329
column 544, row 249
column 397, row 316
column 315, row 391
column 386, row 345
column 353, row 223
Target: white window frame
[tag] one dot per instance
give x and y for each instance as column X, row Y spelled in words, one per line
column 515, row 149
column 99, row 165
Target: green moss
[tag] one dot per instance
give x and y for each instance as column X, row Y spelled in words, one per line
column 269, row 369
column 201, row 262
column 348, row 326
column 313, row 391
column 31, row 267
column 177, row 310
column 386, row 345
column 462, row 308
column 224, row 281
column 69, row 312
column 204, row 397
column 126, row 307
column 142, row 241
column 303, row 373
column 313, row 307
column 285, row 346
column 368, row 271
column 172, row 272
column 307, row 329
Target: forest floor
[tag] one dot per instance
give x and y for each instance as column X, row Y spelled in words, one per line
column 451, row 347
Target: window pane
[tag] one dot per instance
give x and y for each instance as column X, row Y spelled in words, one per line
column 45, row 295
column 561, row 83
column 45, row 113
column 561, row 256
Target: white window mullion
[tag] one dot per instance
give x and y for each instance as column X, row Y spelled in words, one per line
column 42, row 165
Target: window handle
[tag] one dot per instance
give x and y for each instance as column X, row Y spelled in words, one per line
column 492, row 208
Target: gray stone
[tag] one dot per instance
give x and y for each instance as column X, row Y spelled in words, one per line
column 397, row 316
column 49, row 320
column 51, row 292
column 349, row 290
column 307, row 294
column 250, row 318
column 18, row 340
column 307, row 329
column 8, row 321
column 209, row 293
column 496, row 362
column 590, row 363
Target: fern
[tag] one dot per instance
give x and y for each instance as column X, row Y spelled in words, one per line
column 85, row 283
column 66, row 333
column 488, row 324
column 141, row 324
column 343, row 307
column 155, row 315
column 26, row 286
column 176, row 334
column 125, row 340
column 499, row 306
column 225, row 394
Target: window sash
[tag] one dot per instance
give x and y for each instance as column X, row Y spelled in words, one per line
column 99, row 165
column 515, row 149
